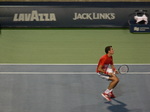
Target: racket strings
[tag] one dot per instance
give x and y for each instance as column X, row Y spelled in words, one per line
column 123, row 69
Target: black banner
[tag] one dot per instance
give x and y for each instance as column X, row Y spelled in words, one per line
column 65, row 16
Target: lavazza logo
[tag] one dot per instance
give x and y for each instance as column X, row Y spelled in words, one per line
column 94, row 16
column 34, row 16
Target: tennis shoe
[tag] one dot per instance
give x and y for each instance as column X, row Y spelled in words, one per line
column 111, row 95
column 106, row 96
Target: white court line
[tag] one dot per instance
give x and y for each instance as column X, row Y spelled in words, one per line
column 79, row 73
column 66, row 73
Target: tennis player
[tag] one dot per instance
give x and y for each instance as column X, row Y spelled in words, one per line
column 105, row 72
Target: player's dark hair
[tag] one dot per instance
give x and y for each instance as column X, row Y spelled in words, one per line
column 107, row 49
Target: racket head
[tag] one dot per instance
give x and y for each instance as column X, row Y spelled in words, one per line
column 123, row 69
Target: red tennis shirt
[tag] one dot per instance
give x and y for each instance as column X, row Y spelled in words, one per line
column 105, row 61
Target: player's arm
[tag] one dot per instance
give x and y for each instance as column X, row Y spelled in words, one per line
column 114, row 69
column 100, row 68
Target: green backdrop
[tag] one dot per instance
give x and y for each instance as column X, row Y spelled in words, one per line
column 72, row 46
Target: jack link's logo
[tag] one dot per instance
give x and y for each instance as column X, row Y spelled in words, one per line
column 34, row 16
column 94, row 16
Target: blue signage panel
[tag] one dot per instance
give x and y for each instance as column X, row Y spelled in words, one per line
column 139, row 28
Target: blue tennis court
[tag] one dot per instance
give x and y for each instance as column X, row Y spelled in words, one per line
column 70, row 88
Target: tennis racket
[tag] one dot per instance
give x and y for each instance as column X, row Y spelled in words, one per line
column 123, row 69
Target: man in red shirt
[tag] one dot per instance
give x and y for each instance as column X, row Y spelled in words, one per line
column 105, row 72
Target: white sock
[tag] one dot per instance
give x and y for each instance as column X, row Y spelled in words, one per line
column 111, row 90
column 108, row 91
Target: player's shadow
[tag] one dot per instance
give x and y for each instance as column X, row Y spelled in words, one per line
column 119, row 107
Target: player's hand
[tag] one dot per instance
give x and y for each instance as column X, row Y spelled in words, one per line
column 116, row 72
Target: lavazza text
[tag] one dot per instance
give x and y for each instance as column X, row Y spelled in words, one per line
column 34, row 16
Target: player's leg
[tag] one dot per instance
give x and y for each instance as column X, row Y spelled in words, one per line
column 112, row 85
column 108, row 94
column 105, row 76
column 114, row 81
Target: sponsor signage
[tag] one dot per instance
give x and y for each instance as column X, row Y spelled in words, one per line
column 136, row 28
column 63, row 16
column 139, row 27
column 34, row 16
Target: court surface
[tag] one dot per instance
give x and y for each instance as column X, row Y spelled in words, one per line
column 38, row 86
column 70, row 88
column 72, row 46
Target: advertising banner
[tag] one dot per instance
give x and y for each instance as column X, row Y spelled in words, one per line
column 139, row 28
column 62, row 16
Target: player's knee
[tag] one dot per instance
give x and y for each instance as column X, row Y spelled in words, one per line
column 116, row 79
